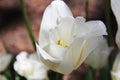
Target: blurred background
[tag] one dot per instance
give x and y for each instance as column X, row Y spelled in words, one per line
column 14, row 35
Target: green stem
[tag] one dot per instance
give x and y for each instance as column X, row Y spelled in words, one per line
column 59, row 76
column 90, row 74
column 105, row 73
column 108, row 22
column 86, row 8
column 54, row 75
column 107, row 76
column 17, row 77
column 27, row 22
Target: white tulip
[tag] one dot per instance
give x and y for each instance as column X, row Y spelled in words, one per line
column 116, row 68
column 53, row 13
column 70, row 43
column 99, row 57
column 30, row 67
column 4, row 61
column 115, row 75
column 115, row 4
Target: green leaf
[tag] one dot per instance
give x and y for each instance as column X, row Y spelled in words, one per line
column 3, row 78
column 17, row 78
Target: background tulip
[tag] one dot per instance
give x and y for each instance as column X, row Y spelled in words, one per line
column 115, row 4
column 30, row 67
column 115, row 73
column 99, row 57
column 4, row 61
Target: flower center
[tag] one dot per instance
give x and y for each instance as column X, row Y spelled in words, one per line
column 61, row 43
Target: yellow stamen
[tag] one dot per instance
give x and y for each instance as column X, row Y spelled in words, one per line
column 61, row 43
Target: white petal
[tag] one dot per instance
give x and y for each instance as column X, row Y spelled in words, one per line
column 62, row 9
column 91, row 29
column 30, row 67
column 34, row 57
column 41, row 52
column 97, row 28
column 87, row 47
column 40, row 71
column 57, row 65
column 56, row 51
column 54, row 34
column 74, row 52
column 115, row 75
column 116, row 65
column 115, row 4
column 79, row 27
column 21, row 56
column 118, row 38
column 52, row 14
column 80, row 19
column 101, row 51
column 65, row 28
column 23, row 68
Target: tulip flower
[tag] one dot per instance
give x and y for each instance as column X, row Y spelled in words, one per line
column 101, row 51
column 30, row 67
column 115, row 4
column 116, row 68
column 70, row 43
column 52, row 14
column 4, row 61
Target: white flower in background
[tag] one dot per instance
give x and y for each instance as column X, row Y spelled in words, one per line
column 99, row 57
column 115, row 4
column 70, row 43
column 4, row 61
column 115, row 73
column 30, row 67
column 53, row 13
